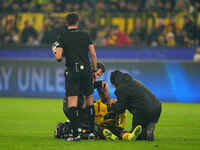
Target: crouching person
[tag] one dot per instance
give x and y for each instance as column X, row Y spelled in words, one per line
column 135, row 97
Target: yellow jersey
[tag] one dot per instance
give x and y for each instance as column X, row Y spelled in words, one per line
column 102, row 110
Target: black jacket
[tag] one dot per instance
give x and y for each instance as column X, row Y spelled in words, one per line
column 132, row 95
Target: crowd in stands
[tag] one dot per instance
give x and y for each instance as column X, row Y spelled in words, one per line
column 162, row 34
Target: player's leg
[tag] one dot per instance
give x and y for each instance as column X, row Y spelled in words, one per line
column 109, row 135
column 113, row 133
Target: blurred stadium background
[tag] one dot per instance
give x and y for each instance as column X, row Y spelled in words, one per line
column 156, row 41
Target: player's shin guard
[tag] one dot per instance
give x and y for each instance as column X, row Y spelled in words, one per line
column 73, row 115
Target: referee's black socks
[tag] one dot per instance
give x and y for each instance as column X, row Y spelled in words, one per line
column 91, row 113
column 73, row 115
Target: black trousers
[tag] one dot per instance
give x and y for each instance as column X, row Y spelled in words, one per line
column 146, row 119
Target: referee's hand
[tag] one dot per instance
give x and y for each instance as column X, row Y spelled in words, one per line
column 53, row 48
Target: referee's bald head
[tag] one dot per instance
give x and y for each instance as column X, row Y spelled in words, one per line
column 72, row 19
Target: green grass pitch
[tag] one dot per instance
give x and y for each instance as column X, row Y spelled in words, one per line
column 28, row 124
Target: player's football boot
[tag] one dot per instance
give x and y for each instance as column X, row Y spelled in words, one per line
column 109, row 135
column 58, row 130
column 135, row 133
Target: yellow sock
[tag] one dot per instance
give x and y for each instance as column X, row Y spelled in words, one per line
column 125, row 136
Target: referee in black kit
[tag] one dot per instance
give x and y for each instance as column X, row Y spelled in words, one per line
column 75, row 45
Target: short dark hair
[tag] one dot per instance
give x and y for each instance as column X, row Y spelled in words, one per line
column 101, row 66
column 113, row 76
column 72, row 19
column 117, row 77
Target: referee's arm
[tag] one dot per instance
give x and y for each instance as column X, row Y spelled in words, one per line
column 58, row 53
column 93, row 56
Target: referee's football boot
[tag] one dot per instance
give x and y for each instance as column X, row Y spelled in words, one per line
column 109, row 135
column 135, row 133
column 74, row 136
column 87, row 135
column 77, row 138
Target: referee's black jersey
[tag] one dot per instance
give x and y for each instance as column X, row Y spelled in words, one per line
column 75, row 44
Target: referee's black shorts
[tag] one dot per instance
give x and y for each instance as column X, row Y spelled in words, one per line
column 79, row 83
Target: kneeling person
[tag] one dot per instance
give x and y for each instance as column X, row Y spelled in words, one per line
column 135, row 97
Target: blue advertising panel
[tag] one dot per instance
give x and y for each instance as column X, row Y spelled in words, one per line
column 108, row 53
column 169, row 81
